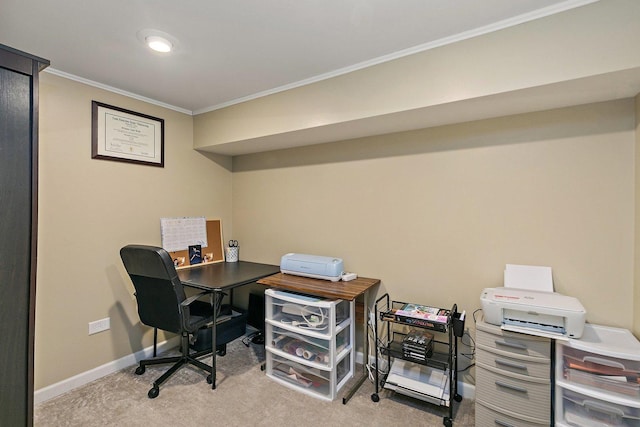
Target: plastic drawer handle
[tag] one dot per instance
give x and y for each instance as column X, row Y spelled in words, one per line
column 503, row 424
column 511, row 344
column 604, row 362
column 596, row 406
column 511, row 364
column 511, row 387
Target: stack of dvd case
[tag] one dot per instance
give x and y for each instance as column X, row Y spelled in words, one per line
column 418, row 345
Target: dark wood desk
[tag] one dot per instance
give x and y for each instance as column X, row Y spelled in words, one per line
column 225, row 275
column 332, row 290
column 220, row 277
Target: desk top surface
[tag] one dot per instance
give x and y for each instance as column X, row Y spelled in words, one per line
column 323, row 288
column 225, row 275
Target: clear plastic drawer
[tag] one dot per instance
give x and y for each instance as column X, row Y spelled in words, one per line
column 306, row 313
column 601, row 372
column 313, row 381
column 307, row 349
column 585, row 411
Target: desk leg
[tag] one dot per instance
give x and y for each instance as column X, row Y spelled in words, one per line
column 216, row 306
column 365, row 349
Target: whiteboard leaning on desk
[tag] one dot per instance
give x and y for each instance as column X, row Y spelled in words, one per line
column 180, row 233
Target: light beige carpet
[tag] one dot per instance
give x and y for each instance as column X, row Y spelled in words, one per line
column 244, row 396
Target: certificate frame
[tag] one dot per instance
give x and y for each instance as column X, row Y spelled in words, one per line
column 126, row 136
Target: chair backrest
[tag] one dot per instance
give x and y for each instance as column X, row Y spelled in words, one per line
column 159, row 291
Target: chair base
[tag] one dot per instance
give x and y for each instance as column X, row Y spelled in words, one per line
column 178, row 361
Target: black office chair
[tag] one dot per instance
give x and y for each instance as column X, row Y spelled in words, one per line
column 162, row 304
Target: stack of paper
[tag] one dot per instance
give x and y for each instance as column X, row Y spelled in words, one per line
column 528, row 277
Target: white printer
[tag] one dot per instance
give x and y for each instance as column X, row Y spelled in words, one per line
column 533, row 312
column 315, row 266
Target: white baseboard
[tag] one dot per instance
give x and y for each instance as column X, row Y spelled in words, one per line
column 53, row 390
column 467, row 391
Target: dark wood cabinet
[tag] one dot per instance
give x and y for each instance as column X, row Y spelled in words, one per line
column 18, row 231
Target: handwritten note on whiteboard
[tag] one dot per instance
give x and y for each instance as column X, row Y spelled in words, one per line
column 180, row 233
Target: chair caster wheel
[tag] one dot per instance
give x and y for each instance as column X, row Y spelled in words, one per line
column 221, row 350
column 209, row 379
column 375, row 397
column 263, row 367
column 447, row 422
column 140, row 370
column 153, row 393
column 457, row 398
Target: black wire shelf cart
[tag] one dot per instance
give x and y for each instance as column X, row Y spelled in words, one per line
column 421, row 353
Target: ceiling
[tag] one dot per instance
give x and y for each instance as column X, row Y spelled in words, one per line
column 229, row 51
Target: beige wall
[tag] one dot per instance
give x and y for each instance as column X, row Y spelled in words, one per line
column 437, row 213
column 592, row 40
column 89, row 209
column 434, row 213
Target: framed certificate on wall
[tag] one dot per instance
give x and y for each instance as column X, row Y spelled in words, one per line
column 126, row 136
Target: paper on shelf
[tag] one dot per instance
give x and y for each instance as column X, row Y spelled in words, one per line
column 536, row 278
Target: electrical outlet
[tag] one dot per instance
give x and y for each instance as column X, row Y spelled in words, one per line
column 99, row 325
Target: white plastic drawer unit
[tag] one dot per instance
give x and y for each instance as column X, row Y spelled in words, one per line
column 597, row 379
column 309, row 342
column 513, row 378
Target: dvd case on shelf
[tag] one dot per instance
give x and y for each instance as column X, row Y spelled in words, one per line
column 419, row 315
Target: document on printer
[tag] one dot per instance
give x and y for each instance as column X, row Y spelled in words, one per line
column 535, row 278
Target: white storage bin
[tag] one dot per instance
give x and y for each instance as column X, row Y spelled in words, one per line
column 585, row 411
column 305, row 313
column 601, row 372
column 323, row 384
column 307, row 349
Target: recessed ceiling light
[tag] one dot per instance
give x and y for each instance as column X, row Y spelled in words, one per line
column 157, row 40
column 159, row 44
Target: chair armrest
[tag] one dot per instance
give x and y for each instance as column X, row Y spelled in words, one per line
column 195, row 297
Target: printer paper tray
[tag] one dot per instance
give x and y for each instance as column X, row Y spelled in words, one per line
column 533, row 331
